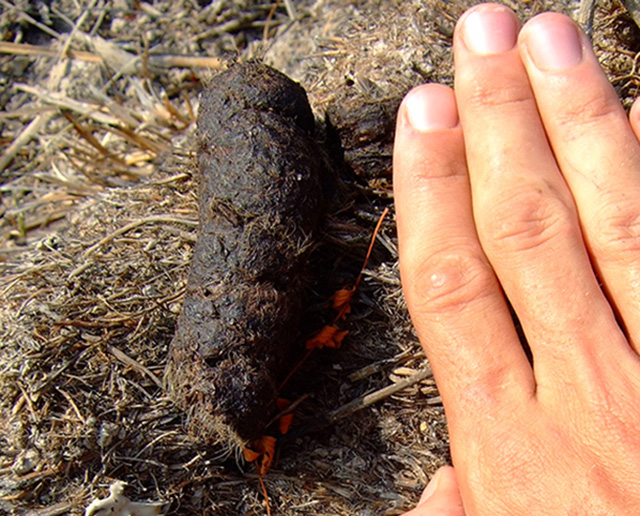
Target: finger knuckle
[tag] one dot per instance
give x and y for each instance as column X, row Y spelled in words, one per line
column 528, row 221
column 447, row 281
column 485, row 95
column 617, row 235
column 583, row 114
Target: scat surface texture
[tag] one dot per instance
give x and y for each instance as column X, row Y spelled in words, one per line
column 260, row 203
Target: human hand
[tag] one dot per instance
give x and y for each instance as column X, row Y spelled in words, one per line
column 525, row 185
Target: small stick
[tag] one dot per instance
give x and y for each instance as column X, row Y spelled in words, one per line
column 371, row 244
column 162, row 219
column 23, row 138
column 369, row 399
column 354, row 406
column 291, row 9
column 138, row 140
column 265, row 32
column 126, row 359
column 169, row 61
column 228, row 27
column 585, row 16
column 633, row 6
column 92, row 140
column 154, row 60
column 169, row 107
column 73, row 405
column 22, row 14
column 88, row 110
column 344, row 309
column 7, row 47
column 295, row 369
column 290, row 408
column 76, row 27
column 187, row 101
column 264, row 490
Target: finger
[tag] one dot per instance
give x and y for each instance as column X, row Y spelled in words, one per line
column 453, row 296
column 441, row 496
column 596, row 149
column 523, row 209
column 634, row 118
column 604, row 177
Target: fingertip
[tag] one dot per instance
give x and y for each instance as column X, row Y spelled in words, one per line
column 553, row 42
column 634, row 118
column 441, row 496
column 429, row 107
column 487, row 29
column 428, row 135
column 486, row 6
column 443, row 481
column 431, row 488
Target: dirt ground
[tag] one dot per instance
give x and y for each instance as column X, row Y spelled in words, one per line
column 98, row 219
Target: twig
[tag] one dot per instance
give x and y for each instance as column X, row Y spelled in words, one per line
column 154, row 441
column 153, row 219
column 89, row 110
column 187, row 101
column 230, row 27
column 28, row 18
column 23, row 138
column 291, row 9
column 126, row 359
column 585, row 16
column 73, row 405
column 366, row 371
column 154, row 60
column 169, row 61
column 633, row 6
column 169, row 107
column 264, row 491
column 288, row 410
column 138, row 140
column 265, row 32
column 369, row 399
column 76, row 26
column 180, row 176
column 27, row 399
column 6, row 47
column 92, row 140
column 101, row 16
column 354, row 406
column 371, row 244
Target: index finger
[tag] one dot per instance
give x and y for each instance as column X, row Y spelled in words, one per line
column 454, row 298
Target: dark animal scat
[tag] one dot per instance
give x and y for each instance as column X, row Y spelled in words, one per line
column 260, row 198
column 256, row 87
column 270, row 150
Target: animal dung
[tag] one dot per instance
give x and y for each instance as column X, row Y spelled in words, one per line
column 261, row 174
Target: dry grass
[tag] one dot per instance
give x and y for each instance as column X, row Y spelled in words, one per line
column 98, row 222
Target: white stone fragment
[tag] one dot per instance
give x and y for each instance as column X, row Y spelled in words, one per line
column 119, row 505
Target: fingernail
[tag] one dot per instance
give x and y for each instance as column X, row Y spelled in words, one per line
column 431, row 107
column 554, row 44
column 490, row 29
column 432, row 487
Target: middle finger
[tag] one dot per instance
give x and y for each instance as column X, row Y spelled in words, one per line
column 524, row 212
